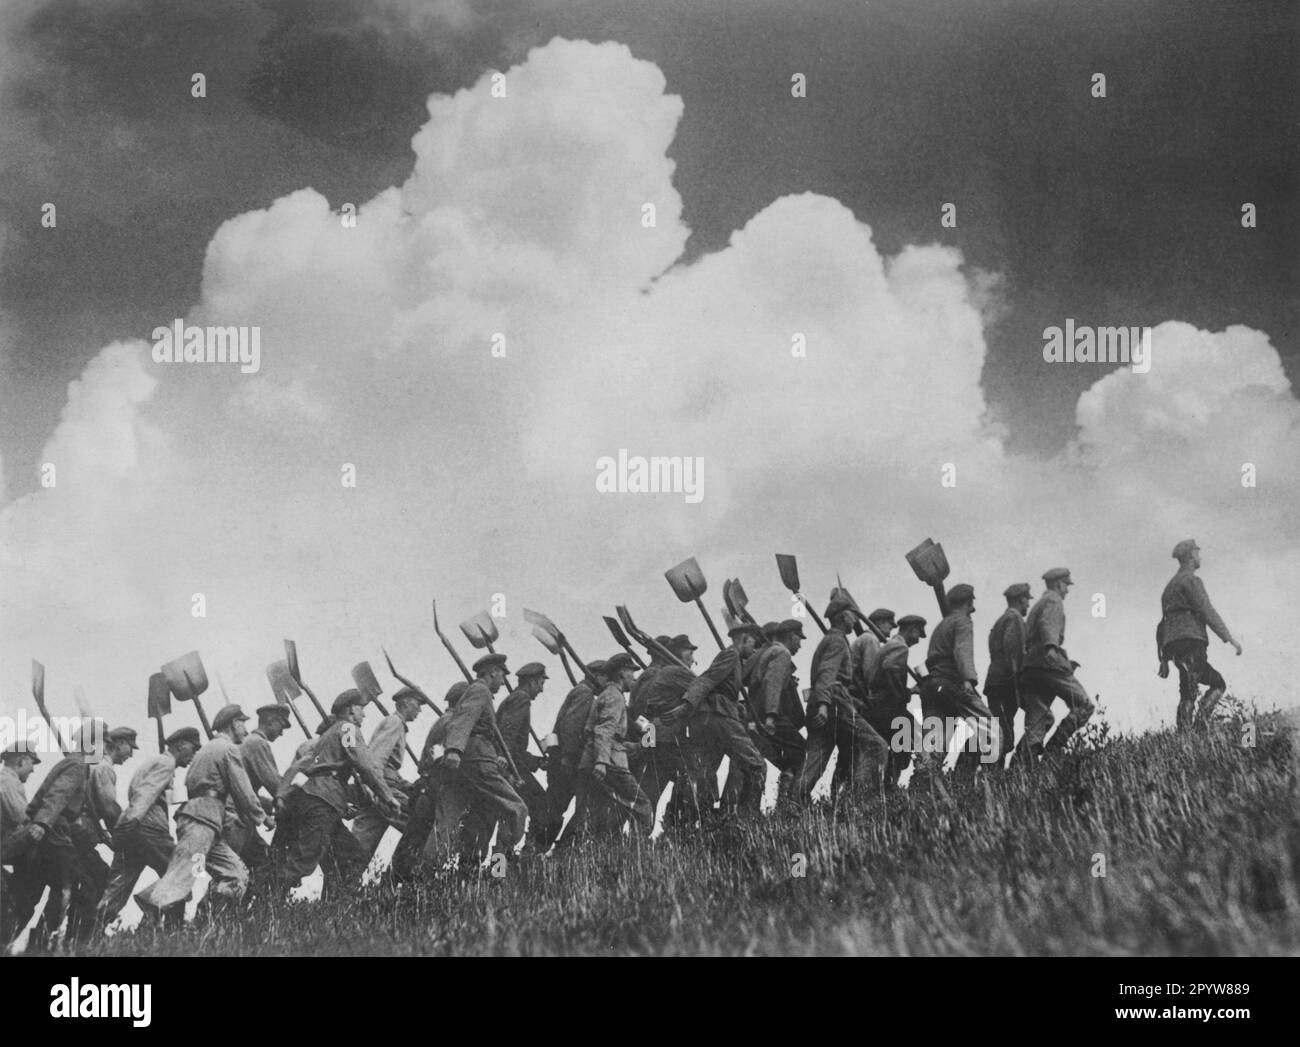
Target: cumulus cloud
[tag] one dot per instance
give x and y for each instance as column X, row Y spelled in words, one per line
column 475, row 472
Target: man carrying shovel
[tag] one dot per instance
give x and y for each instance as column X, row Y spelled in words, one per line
column 564, row 754
column 949, row 692
column 514, row 717
column 387, row 749
column 775, row 697
column 264, row 776
column 834, row 721
column 216, row 773
column 475, row 766
column 888, row 696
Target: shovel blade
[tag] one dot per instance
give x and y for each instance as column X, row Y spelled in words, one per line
column 541, row 621
column 480, row 630
column 38, row 682
column 729, row 619
column 547, row 640
column 160, row 697
column 789, row 568
column 625, row 618
column 928, row 562
column 687, row 580
column 616, row 631
column 364, row 677
column 186, row 676
column 291, row 659
column 739, row 598
column 283, row 684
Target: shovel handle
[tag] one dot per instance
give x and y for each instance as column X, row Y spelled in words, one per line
column 712, row 628
column 203, row 717
column 942, row 597
column 298, row 716
column 45, row 713
column 162, row 738
column 319, row 708
column 813, row 614
column 452, row 651
column 568, row 669
column 633, row 655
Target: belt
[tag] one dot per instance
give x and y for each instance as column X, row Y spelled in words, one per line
column 340, row 774
column 207, row 792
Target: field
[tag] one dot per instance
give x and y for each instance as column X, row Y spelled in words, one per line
column 1162, row 843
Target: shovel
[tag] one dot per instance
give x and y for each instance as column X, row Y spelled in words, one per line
column 447, row 644
column 540, row 621
column 857, row 623
column 737, row 601
column 364, row 677
column 291, row 656
column 689, row 584
column 160, row 705
column 415, row 687
column 548, row 641
column 620, row 638
column 651, row 645
column 789, row 568
column 187, row 680
column 931, row 566
column 38, row 692
column 286, row 690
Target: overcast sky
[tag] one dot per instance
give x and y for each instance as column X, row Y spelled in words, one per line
column 775, row 215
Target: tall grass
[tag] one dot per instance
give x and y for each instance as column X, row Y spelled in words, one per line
column 1165, row 843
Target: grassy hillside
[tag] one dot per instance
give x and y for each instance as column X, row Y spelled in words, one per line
column 1197, row 835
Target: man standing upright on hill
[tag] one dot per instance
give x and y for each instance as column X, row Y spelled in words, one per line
column 1049, row 673
column 1185, row 611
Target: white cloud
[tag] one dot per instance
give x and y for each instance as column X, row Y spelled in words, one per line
column 476, row 474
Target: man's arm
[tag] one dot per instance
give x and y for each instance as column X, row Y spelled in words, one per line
column 301, row 758
column 1013, row 644
column 604, row 727
column 388, row 736
column 892, row 674
column 722, row 669
column 832, row 658
column 103, row 780
column 776, row 674
column 63, row 792
column 239, row 788
column 1206, row 612
column 154, row 780
column 963, row 649
column 355, row 750
column 259, row 763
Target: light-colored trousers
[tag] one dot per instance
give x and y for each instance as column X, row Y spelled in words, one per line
column 198, row 847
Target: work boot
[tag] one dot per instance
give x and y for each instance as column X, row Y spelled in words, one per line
column 1208, row 703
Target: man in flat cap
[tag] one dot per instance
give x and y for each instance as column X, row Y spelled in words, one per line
column 671, row 758
column 774, row 696
column 888, row 695
column 423, row 808
column 514, row 718
column 340, row 755
column 476, row 764
column 865, row 650
column 834, row 719
column 16, row 841
column 607, row 792
column 710, row 706
column 949, row 691
column 264, row 776
column 1048, row 673
column 102, row 807
column 1006, row 659
column 215, row 774
column 59, row 833
column 142, row 836
column 387, row 751
column 563, row 757
column 1185, row 612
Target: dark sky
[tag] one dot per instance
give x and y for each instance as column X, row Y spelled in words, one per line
column 1117, row 211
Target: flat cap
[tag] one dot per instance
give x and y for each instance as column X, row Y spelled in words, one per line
column 409, row 692
column 1184, row 548
column 1014, row 592
column 455, row 693
column 681, row 640
column 489, row 662
column 771, row 629
column 618, row 663
column 185, row 734
column 881, row 614
column 346, row 700
column 1056, row 574
column 838, row 605
column 530, row 669
column 912, row 619
column 15, row 750
column 123, row 734
column 597, row 668
column 791, row 625
column 274, row 709
column 664, row 641
column 227, row 715
column 960, row 593
column 745, row 629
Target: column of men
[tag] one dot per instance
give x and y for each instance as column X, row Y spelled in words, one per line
column 619, row 740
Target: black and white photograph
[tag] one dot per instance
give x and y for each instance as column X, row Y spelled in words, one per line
column 674, row 478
